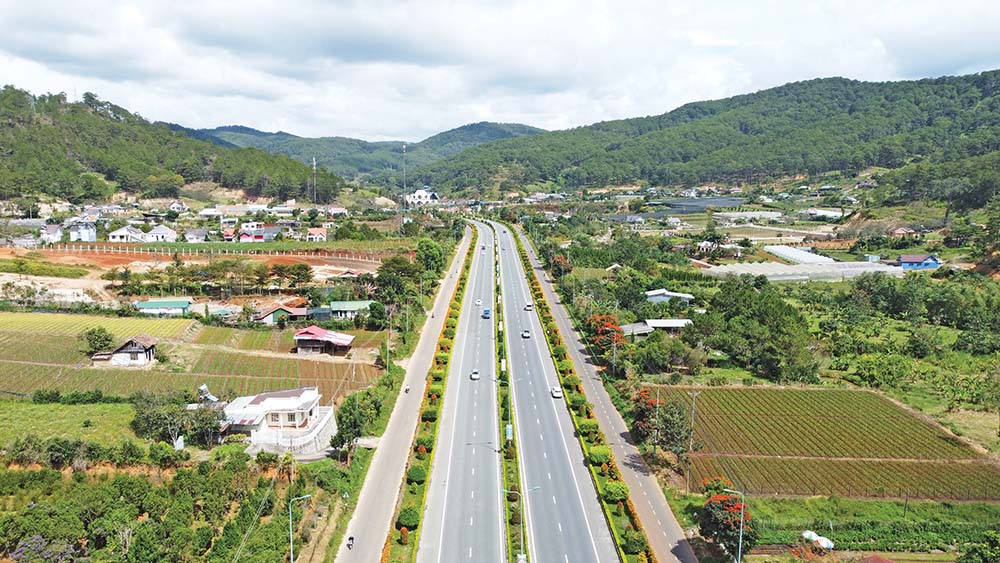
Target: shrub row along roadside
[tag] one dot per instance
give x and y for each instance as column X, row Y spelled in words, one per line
column 626, row 529
column 510, row 461
column 404, row 536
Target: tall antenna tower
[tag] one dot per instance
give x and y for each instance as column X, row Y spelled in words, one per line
column 314, row 180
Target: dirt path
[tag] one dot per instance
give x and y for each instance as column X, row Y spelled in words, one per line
column 315, row 550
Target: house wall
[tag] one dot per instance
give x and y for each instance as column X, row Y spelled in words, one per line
column 925, row 265
column 124, row 359
column 165, row 311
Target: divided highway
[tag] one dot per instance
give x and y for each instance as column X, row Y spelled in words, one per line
column 564, row 518
column 463, row 519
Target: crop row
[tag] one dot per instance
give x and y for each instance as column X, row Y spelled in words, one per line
column 36, row 347
column 976, row 480
column 65, row 324
column 26, row 378
column 817, row 423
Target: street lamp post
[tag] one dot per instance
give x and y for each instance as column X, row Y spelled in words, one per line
column 535, row 488
column 291, row 544
column 743, row 505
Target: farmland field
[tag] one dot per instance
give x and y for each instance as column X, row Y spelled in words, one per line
column 215, row 335
column 851, row 443
column 109, row 422
column 333, row 380
column 274, row 340
column 30, row 347
column 63, row 324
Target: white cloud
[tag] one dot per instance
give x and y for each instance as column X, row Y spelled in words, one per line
column 379, row 69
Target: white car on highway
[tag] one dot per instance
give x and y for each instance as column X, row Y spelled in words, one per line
column 556, row 392
column 529, row 307
column 474, row 375
column 526, row 334
column 479, row 302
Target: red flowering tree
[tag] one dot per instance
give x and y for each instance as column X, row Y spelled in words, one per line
column 560, row 266
column 643, row 416
column 720, row 522
column 605, row 331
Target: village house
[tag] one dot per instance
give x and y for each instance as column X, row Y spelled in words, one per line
column 178, row 206
column 127, row 233
column 272, row 315
column 136, row 352
column 161, row 233
column 644, row 328
column 662, row 295
column 316, row 234
column 196, row 235
column 228, row 222
column 278, row 421
column 266, row 233
column 421, row 197
column 336, row 211
column 902, row 232
column 918, row 262
column 51, row 234
column 317, row 340
column 229, row 235
column 165, row 307
column 340, row 310
column 83, row 232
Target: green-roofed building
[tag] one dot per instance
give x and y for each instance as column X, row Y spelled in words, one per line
column 348, row 309
column 165, row 307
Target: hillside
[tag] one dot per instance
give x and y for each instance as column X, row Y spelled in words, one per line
column 90, row 149
column 351, row 157
column 830, row 124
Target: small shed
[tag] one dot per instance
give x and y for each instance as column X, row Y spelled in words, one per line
column 318, row 340
column 918, row 262
column 167, row 307
column 137, row 351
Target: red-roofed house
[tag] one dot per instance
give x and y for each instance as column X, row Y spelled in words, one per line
column 316, row 234
column 318, row 340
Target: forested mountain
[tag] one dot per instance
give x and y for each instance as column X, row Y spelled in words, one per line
column 351, row 157
column 89, row 149
column 805, row 127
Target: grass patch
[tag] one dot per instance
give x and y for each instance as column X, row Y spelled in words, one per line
column 109, row 422
column 57, row 323
column 32, row 268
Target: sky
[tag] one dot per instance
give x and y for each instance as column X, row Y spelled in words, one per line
column 380, row 70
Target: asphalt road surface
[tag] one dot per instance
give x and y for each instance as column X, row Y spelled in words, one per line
column 666, row 537
column 564, row 518
column 463, row 520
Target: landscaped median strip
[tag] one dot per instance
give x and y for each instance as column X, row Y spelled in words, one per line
column 513, row 512
column 404, row 536
column 626, row 529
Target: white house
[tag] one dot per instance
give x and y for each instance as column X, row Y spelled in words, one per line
column 279, row 421
column 333, row 211
column 421, row 197
column 83, row 232
column 661, row 295
column 282, row 211
column 195, row 235
column 316, row 234
column 137, row 351
column 127, row 233
column 178, row 206
column 51, row 234
column 161, row 233
column 348, row 309
column 210, row 212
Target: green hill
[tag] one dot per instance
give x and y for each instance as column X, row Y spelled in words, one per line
column 830, row 124
column 90, row 149
column 352, row 157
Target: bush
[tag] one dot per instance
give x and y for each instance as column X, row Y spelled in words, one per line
column 615, row 491
column 416, row 474
column 437, row 375
column 571, row 381
column 426, row 440
column 635, row 542
column 717, row 381
column 430, row 414
column 588, row 427
column 409, row 518
column 267, row 460
column 515, row 516
column 599, row 455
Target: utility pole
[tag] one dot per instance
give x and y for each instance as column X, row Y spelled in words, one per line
column 687, row 476
column 656, row 420
column 314, row 180
column 743, row 504
column 291, row 544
